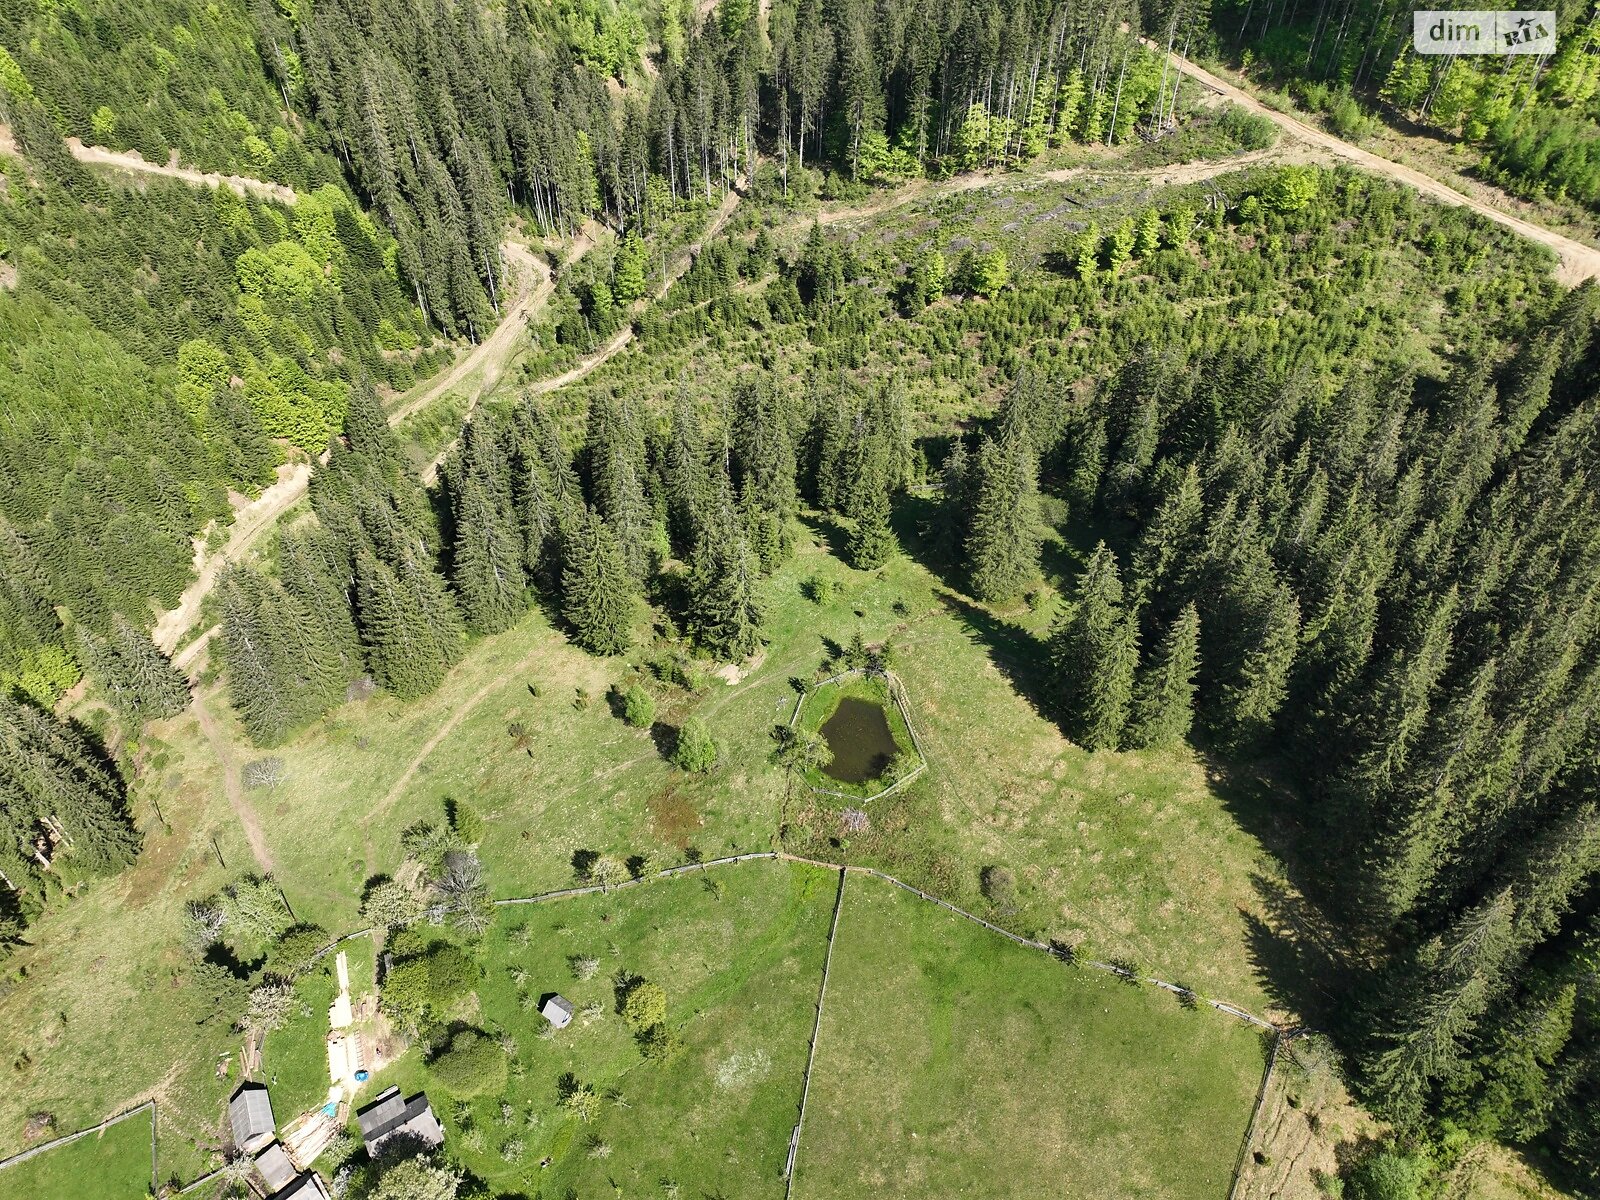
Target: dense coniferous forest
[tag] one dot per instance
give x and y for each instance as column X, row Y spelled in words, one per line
column 1305, row 555
column 183, row 338
column 1536, row 117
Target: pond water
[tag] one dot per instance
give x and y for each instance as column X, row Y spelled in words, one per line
column 858, row 734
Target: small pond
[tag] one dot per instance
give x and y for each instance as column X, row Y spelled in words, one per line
column 858, row 733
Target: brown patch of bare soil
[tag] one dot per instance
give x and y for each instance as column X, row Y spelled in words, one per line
column 673, row 818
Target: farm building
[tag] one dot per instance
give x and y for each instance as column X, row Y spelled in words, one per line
column 390, row 1115
column 277, row 1172
column 250, row 1113
column 557, row 1009
column 307, row 1187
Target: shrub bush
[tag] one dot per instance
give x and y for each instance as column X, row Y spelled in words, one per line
column 471, row 1065
column 1386, row 1174
column 645, row 1006
column 638, row 707
column 696, row 749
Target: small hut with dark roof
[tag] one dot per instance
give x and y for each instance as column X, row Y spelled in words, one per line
column 277, row 1172
column 250, row 1114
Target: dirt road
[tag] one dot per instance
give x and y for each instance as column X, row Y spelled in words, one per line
column 495, row 351
column 132, row 160
column 1578, row 262
column 617, row 340
column 1172, row 175
column 249, row 522
column 485, row 363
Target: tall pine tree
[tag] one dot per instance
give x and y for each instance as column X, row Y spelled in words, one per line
column 1095, row 651
column 598, row 595
column 1163, row 699
column 1002, row 543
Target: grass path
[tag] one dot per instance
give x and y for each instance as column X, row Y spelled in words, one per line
column 237, row 800
column 458, row 713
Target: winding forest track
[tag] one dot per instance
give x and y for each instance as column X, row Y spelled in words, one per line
column 618, row 340
column 1578, row 262
column 233, row 786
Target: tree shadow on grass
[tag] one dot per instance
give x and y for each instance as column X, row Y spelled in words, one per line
column 1016, row 653
column 922, row 527
column 665, row 738
column 1300, row 949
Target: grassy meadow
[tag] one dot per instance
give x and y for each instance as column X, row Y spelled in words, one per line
column 951, row 1062
column 1133, row 855
column 113, row 1165
column 1152, row 857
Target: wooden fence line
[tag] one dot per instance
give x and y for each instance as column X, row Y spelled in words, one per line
column 68, row 1138
column 1222, row 1006
column 599, row 888
column 816, row 1032
column 1278, row 1038
column 896, row 694
column 729, row 860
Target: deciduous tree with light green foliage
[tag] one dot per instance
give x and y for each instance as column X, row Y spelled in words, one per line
column 471, row 1064
column 696, row 750
column 416, row 1179
column 987, row 273
column 644, row 1006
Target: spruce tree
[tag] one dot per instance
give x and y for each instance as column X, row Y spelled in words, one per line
column 617, row 473
column 487, row 560
column 1002, row 544
column 686, row 482
column 1095, row 650
column 725, row 616
column 139, row 681
column 282, row 668
column 597, row 592
column 536, row 517
column 1243, row 709
column 957, row 479
column 55, row 780
column 317, row 574
column 405, row 650
column 161, row 689
column 1434, row 1003
column 1168, row 541
column 367, row 429
column 1087, row 453
column 871, row 540
column 258, row 685
column 1163, row 700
